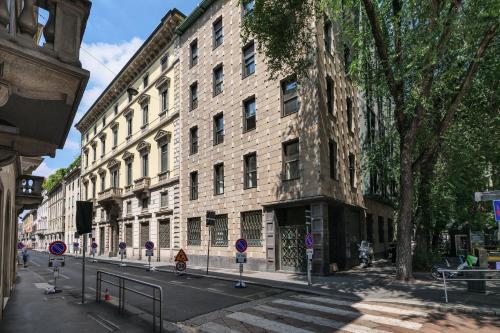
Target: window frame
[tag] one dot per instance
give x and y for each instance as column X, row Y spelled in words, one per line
column 286, row 97
column 215, row 29
column 145, row 80
column 349, row 114
column 218, row 134
column 291, row 161
column 145, row 165
column 193, row 56
column 218, row 84
column 245, row 232
column 193, row 95
column 164, row 100
column 193, row 185
column 164, row 195
column 333, row 158
column 245, row 72
column 145, row 115
column 247, row 171
column 164, row 157
column 330, row 95
column 193, row 144
column 352, row 170
column 130, row 173
column 246, row 103
column 219, row 179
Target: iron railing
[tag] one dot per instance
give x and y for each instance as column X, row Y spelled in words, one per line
column 444, row 272
column 156, row 296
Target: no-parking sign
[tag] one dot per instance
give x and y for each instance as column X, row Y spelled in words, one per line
column 57, row 248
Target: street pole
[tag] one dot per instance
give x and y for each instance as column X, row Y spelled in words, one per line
column 83, row 267
column 208, row 250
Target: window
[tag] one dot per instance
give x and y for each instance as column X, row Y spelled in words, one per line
column 328, row 35
column 332, row 150
column 218, row 79
column 369, row 228
column 128, row 234
column 194, row 95
column 94, row 152
column 194, row 52
column 218, row 33
column 93, row 189
column 144, row 203
column 130, row 96
column 115, row 109
column 390, row 230
column 115, row 137
column 193, row 138
column 145, row 165
column 145, row 115
column 291, row 160
column 86, row 159
column 87, row 137
column 219, row 179
column 129, row 207
column 248, row 7
column 164, row 200
column 251, row 227
column 249, row 114
column 164, row 232
column 145, row 80
column 371, row 120
column 289, row 96
column 349, row 114
column 164, row 157
column 194, row 231
column 129, row 173
column 352, row 170
column 164, row 61
column 218, row 129
column 103, row 183
column 194, row 185
column 381, row 231
column 95, row 129
column 103, row 146
column 164, row 100
column 114, row 178
column 103, row 120
column 144, row 233
column 129, row 126
column 329, row 94
column 249, row 59
column 102, row 214
column 86, row 191
column 250, row 171
column 219, row 231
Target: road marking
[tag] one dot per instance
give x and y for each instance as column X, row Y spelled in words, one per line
column 266, row 324
column 35, row 263
column 351, row 314
column 364, row 306
column 353, row 328
column 216, row 328
column 42, row 285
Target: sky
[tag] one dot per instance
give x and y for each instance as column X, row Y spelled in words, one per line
column 115, row 31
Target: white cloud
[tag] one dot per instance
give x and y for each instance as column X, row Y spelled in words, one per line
column 43, row 170
column 72, row 145
column 104, row 61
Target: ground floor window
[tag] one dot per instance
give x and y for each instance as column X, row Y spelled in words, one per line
column 251, row 227
column 128, row 235
column 219, row 231
column 164, row 230
column 144, row 234
column 194, row 231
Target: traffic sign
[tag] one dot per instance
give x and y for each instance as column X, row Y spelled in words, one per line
column 181, row 256
column 180, row 266
column 241, row 245
column 309, row 241
column 149, row 253
column 210, row 218
column 496, row 209
column 20, row 246
column 122, row 245
column 57, row 248
column 149, row 245
column 94, row 245
column 76, row 245
column 241, row 258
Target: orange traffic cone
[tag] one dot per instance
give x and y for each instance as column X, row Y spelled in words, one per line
column 107, row 296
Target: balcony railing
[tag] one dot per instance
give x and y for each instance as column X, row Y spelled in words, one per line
column 164, row 176
column 29, row 191
column 111, row 193
column 141, row 185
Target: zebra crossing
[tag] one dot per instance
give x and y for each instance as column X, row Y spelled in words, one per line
column 300, row 313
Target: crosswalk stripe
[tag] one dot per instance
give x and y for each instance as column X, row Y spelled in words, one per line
column 351, row 314
column 353, row 328
column 216, row 328
column 380, row 308
column 266, row 324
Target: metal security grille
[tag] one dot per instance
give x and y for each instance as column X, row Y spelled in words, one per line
column 251, row 227
column 164, row 234
column 219, row 231
column 128, row 235
column 144, row 234
column 292, row 248
column 194, row 231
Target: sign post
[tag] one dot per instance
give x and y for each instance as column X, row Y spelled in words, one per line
column 122, row 246
column 180, row 261
column 241, row 258
column 309, row 246
column 83, row 267
column 93, row 249
column 210, row 222
column 76, row 247
column 56, row 249
column 149, row 245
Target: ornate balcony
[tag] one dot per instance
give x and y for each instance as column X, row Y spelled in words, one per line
column 163, row 177
column 111, row 196
column 41, row 86
column 29, row 192
column 141, row 186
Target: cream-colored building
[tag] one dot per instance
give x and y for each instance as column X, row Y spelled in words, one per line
column 41, row 223
column 71, row 185
column 56, row 213
column 130, row 151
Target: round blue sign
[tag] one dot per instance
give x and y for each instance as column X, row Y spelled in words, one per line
column 149, row 245
column 122, row 245
column 309, row 241
column 94, row 245
column 241, row 245
column 57, row 248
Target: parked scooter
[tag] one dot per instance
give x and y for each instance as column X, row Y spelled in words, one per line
column 365, row 254
column 463, row 264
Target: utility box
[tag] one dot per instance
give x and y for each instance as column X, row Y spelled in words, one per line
column 478, row 286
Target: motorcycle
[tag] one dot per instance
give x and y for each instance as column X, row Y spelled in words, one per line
column 462, row 264
column 365, row 254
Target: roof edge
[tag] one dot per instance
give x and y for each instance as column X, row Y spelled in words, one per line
column 195, row 14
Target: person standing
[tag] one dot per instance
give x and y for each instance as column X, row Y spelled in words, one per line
column 25, row 256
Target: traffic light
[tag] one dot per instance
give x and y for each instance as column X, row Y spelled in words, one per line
column 308, row 216
column 210, row 218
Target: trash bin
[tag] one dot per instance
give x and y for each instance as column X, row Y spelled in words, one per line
column 475, row 286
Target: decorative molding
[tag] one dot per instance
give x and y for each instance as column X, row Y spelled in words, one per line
column 101, row 171
column 114, row 125
column 129, row 112
column 102, row 136
column 93, row 176
column 143, row 147
column 93, row 144
column 143, row 99
column 128, row 156
column 113, row 163
column 162, row 83
column 163, row 136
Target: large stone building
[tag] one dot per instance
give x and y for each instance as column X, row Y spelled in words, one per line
column 41, row 223
column 71, row 185
column 56, row 213
column 130, row 150
column 40, row 90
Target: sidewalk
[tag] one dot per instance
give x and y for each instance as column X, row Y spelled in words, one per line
column 31, row 310
column 372, row 284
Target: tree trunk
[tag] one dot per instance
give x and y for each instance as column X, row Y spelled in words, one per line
column 405, row 225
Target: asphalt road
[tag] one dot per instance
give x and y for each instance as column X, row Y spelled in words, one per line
column 184, row 296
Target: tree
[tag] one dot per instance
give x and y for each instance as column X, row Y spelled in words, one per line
column 428, row 53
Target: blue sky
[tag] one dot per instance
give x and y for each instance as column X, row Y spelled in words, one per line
column 115, row 30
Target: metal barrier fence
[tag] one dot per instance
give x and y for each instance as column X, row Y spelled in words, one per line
column 156, row 296
column 445, row 271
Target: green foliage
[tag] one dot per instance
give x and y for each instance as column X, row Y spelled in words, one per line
column 58, row 175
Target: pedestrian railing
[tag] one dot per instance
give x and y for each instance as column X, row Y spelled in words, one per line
column 124, row 284
column 482, row 272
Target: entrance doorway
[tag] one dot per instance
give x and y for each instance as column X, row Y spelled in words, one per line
column 101, row 240
column 291, row 239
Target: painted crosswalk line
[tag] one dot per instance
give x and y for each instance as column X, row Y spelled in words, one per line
column 351, row 314
column 266, row 324
column 353, row 328
column 364, row 306
column 215, row 328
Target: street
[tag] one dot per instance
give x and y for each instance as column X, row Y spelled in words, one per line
column 204, row 304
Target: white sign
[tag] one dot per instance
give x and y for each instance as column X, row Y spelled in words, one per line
column 241, row 258
column 309, row 253
column 123, row 252
column 149, row 253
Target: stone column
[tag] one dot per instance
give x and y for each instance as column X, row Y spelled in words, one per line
column 270, row 228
